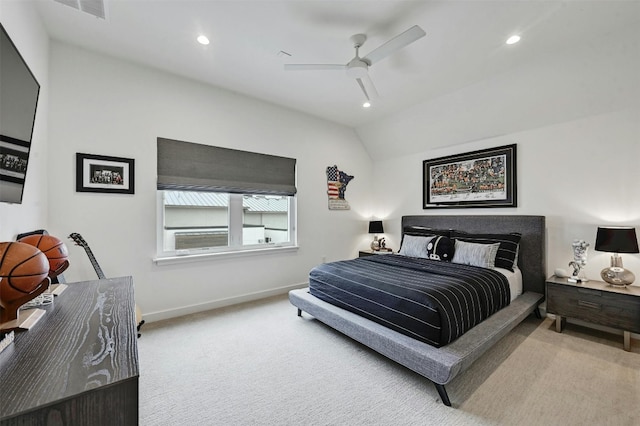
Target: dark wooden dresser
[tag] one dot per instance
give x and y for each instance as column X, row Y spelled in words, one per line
column 79, row 364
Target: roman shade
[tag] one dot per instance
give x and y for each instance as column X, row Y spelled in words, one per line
column 187, row 166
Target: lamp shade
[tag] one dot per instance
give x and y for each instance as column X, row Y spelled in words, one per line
column 375, row 227
column 617, row 240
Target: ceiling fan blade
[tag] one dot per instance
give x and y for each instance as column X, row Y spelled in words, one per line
column 369, row 90
column 314, row 67
column 412, row 34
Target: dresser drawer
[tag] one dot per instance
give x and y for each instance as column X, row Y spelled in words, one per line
column 611, row 309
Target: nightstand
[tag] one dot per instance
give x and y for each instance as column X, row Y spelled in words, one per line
column 596, row 302
column 363, row 253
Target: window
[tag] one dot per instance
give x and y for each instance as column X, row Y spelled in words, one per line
column 265, row 219
column 213, row 200
column 200, row 222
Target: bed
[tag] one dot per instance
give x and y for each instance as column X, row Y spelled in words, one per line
column 441, row 362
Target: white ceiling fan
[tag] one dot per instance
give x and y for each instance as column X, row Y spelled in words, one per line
column 358, row 67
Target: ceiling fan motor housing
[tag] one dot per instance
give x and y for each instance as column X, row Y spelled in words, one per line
column 357, row 68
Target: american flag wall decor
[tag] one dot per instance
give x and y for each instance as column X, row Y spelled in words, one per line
column 337, row 182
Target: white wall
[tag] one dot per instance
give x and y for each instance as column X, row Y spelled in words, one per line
column 579, row 174
column 104, row 106
column 22, row 23
column 597, row 77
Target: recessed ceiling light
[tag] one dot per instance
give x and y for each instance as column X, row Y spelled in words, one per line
column 203, row 40
column 513, row 39
column 366, row 105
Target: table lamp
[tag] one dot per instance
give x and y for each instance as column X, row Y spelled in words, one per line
column 617, row 240
column 375, row 227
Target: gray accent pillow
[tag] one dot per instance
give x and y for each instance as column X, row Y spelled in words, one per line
column 483, row 255
column 415, row 246
column 507, row 256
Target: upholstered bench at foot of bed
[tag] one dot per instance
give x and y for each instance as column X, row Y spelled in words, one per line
column 440, row 365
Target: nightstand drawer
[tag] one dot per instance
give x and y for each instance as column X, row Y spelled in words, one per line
column 597, row 306
column 363, row 253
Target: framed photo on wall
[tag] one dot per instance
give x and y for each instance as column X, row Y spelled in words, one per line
column 484, row 178
column 14, row 156
column 101, row 173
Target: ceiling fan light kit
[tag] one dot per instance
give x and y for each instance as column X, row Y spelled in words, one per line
column 358, row 68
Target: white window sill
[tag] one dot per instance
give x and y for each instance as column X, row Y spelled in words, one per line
column 199, row 257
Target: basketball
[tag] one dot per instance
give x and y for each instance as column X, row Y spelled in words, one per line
column 52, row 247
column 22, row 268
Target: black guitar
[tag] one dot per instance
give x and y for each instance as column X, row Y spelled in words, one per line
column 77, row 238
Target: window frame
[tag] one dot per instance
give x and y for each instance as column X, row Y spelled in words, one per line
column 235, row 246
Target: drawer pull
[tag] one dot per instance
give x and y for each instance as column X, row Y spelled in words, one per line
column 590, row 292
column 590, row 305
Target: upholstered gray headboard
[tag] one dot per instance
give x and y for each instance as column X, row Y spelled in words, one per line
column 532, row 253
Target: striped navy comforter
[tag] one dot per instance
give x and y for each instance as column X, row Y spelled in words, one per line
column 434, row 302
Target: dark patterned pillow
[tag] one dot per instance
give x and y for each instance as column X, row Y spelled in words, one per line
column 441, row 248
column 507, row 252
column 421, row 230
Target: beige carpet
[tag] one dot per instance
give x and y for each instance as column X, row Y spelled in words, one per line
column 260, row 364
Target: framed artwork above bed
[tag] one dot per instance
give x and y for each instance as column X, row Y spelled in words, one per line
column 484, row 178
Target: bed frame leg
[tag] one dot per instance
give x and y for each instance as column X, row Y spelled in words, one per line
column 443, row 394
column 299, row 312
column 537, row 312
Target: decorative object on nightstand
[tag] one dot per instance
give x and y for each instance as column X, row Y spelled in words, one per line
column 560, row 273
column 617, row 239
column 375, row 227
column 579, row 261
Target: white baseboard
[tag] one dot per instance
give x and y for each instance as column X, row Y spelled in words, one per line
column 214, row 304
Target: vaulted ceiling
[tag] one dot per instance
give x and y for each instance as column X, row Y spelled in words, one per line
column 251, row 41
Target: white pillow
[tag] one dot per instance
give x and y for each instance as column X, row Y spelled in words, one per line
column 483, row 255
column 415, row 246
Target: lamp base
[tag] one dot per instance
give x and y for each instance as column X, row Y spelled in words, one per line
column 375, row 244
column 617, row 276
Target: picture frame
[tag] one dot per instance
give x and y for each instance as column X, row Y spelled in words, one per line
column 104, row 174
column 14, row 157
column 483, row 178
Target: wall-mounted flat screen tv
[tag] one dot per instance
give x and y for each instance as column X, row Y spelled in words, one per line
column 19, row 91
